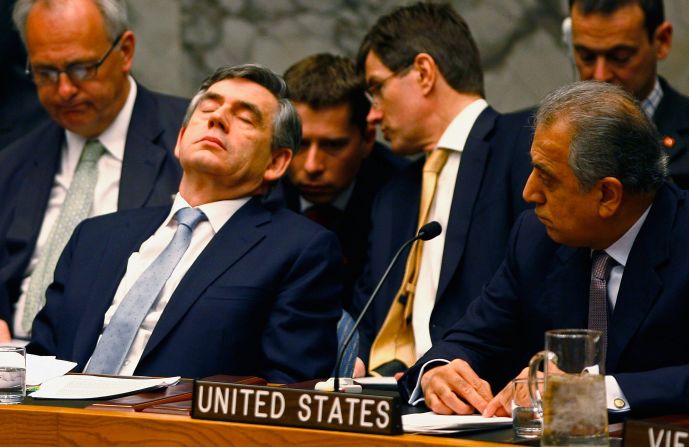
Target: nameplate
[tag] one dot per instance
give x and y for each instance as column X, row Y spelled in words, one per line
column 296, row 408
column 672, row 432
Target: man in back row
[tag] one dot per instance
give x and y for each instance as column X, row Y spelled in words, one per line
column 335, row 176
column 108, row 146
column 622, row 41
column 217, row 284
column 607, row 232
column 424, row 77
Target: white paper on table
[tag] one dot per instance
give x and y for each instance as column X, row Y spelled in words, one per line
column 433, row 423
column 83, row 386
column 40, row 368
column 376, row 380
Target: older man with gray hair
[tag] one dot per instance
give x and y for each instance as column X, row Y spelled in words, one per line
column 211, row 285
column 599, row 188
column 107, row 147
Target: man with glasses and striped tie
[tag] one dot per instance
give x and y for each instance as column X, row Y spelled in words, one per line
column 108, row 146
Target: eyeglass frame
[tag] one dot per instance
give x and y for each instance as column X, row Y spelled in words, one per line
column 90, row 69
column 373, row 92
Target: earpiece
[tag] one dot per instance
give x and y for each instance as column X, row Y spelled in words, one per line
column 569, row 45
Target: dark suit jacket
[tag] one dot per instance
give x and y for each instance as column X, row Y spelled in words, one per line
column 542, row 285
column 150, row 175
column 355, row 224
column 20, row 110
column 487, row 199
column 254, row 303
column 672, row 120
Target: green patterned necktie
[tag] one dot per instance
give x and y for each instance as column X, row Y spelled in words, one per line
column 76, row 207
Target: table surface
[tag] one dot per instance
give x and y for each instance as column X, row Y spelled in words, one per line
column 51, row 424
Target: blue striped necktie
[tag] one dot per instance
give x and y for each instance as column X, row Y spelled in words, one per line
column 118, row 336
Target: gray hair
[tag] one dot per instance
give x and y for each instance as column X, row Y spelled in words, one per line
column 114, row 13
column 611, row 135
column 286, row 122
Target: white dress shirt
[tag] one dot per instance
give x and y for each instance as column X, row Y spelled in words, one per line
column 453, row 138
column 105, row 193
column 218, row 213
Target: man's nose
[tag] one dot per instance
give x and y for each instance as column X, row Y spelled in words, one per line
column 314, row 160
column 65, row 87
column 601, row 71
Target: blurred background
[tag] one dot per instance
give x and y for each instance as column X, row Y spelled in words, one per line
column 182, row 41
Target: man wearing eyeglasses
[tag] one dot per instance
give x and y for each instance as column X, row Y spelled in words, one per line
column 108, row 146
column 425, row 81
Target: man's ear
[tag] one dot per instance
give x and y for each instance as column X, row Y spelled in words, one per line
column 663, row 40
column 427, row 70
column 127, row 46
column 179, row 141
column 279, row 161
column 612, row 192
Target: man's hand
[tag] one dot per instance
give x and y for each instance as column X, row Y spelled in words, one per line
column 359, row 368
column 455, row 388
column 5, row 336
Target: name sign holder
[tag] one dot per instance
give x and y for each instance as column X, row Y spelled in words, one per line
column 664, row 431
column 296, row 408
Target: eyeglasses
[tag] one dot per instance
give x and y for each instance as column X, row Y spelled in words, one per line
column 374, row 90
column 78, row 72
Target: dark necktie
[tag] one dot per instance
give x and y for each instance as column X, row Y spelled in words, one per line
column 601, row 265
column 324, row 214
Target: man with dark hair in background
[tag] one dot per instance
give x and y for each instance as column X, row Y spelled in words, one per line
column 108, row 146
column 622, row 41
column 425, row 81
column 338, row 170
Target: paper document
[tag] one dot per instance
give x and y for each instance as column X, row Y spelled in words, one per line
column 437, row 423
column 376, row 381
column 41, row 368
column 82, row 386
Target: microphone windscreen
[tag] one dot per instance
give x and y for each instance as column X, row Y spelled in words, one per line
column 430, row 230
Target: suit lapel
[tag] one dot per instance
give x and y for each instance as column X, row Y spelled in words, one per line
column 641, row 281
column 566, row 288
column 239, row 235
column 124, row 240
column 36, row 184
column 143, row 155
column 469, row 178
column 671, row 120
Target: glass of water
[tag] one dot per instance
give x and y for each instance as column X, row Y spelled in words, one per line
column 527, row 420
column 12, row 374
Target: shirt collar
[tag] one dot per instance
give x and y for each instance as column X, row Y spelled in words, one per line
column 456, row 134
column 115, row 136
column 340, row 201
column 218, row 213
column 620, row 249
column 650, row 104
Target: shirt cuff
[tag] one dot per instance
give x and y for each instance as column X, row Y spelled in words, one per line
column 615, row 399
column 416, row 396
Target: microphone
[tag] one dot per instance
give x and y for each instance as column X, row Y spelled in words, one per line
column 426, row 233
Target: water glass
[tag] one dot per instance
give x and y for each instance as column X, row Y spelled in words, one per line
column 12, row 374
column 527, row 420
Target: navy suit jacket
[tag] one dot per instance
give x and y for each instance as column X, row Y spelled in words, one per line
column 672, row 120
column 150, row 175
column 542, row 285
column 487, row 199
column 355, row 224
column 253, row 303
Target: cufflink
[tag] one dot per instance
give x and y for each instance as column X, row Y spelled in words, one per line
column 668, row 142
column 619, row 403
